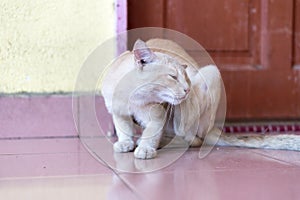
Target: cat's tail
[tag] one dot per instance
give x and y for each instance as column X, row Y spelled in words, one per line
column 280, row 142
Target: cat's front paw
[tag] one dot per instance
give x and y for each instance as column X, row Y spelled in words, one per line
column 123, row 146
column 145, row 152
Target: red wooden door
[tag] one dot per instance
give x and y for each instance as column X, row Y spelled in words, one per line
column 255, row 43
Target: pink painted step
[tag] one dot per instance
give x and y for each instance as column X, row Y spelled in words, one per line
column 36, row 116
column 43, row 116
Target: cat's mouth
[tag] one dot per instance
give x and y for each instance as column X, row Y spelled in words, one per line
column 174, row 98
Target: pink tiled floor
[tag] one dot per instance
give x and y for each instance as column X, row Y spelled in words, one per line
column 63, row 169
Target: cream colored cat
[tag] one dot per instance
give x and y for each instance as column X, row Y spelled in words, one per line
column 158, row 86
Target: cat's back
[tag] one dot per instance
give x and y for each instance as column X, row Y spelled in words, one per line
column 117, row 69
column 114, row 73
column 209, row 80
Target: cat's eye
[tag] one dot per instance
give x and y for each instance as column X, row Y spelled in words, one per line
column 143, row 61
column 173, row 77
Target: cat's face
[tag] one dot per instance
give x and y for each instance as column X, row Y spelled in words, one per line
column 168, row 80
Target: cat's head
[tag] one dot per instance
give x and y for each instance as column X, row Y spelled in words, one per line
column 167, row 78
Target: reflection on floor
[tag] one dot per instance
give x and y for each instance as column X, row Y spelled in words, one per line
column 63, row 169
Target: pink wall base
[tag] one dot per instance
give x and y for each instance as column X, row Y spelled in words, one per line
column 36, row 116
column 44, row 117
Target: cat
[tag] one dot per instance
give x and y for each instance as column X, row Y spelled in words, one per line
column 158, row 86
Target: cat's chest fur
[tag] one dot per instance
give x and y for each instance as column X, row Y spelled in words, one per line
column 142, row 115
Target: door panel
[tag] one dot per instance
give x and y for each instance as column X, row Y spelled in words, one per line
column 255, row 43
column 297, row 34
column 145, row 13
column 211, row 20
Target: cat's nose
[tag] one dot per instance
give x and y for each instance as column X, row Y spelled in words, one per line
column 187, row 90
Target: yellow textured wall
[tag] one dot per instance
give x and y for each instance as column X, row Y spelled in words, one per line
column 44, row 42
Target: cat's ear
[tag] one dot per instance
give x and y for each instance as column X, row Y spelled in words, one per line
column 142, row 53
